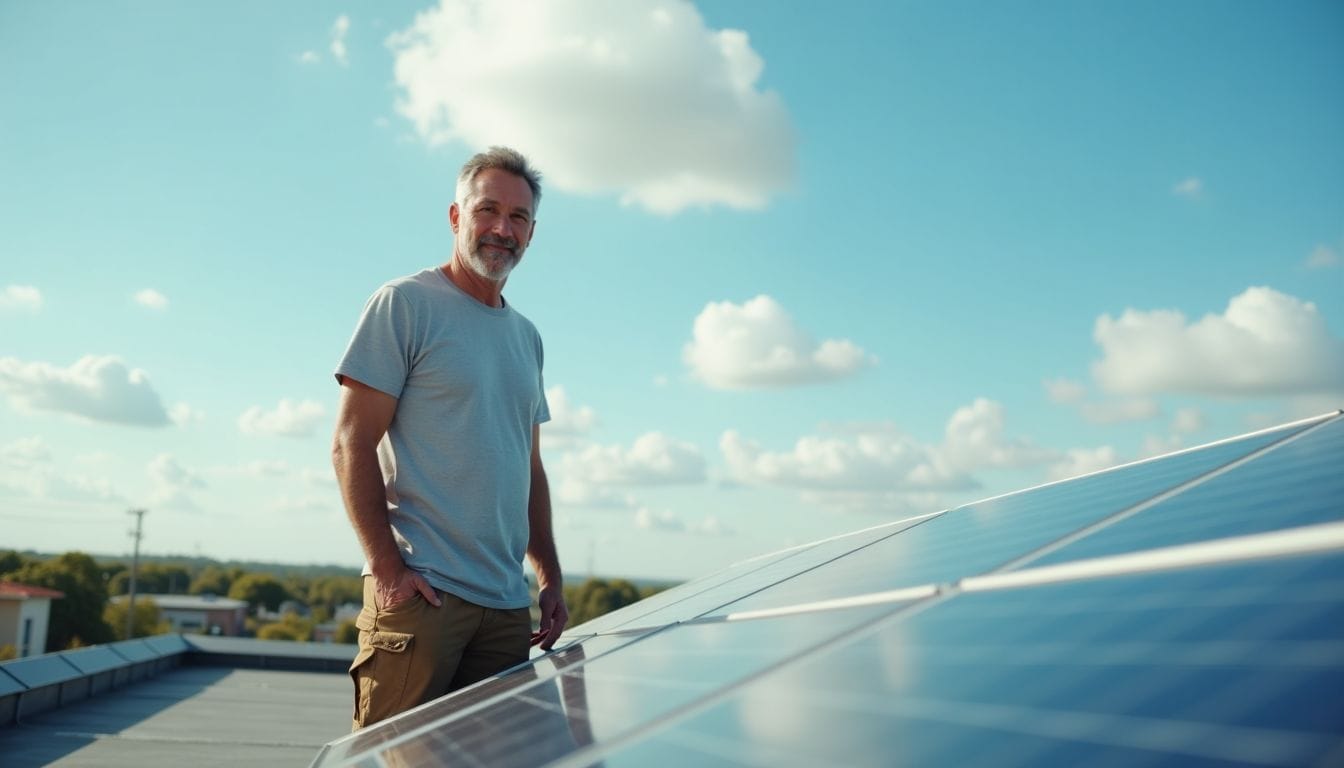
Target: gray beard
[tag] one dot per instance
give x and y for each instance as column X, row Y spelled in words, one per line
column 483, row 267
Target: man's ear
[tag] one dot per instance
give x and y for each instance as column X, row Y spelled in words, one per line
column 454, row 213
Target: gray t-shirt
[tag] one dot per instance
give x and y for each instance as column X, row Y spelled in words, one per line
column 457, row 457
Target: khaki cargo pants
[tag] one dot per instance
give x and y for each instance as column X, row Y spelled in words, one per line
column 413, row 652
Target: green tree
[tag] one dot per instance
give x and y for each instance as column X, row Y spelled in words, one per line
column 331, row 592
column 76, row 619
column 10, row 561
column 259, row 589
column 148, row 620
column 291, row 627
column 152, row 579
column 346, row 632
column 595, row 597
column 214, row 580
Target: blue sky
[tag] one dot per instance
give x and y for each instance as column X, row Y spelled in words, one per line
column 798, row 272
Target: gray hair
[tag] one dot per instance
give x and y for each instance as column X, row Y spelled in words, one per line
column 503, row 159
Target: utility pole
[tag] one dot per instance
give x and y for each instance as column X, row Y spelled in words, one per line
column 135, row 567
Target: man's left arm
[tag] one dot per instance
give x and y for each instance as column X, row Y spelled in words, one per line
column 541, row 551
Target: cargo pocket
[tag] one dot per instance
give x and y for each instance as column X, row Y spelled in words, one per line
column 379, row 672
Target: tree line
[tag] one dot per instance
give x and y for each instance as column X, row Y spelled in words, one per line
column 87, row 616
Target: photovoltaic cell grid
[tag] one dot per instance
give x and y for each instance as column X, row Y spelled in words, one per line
column 1237, row 662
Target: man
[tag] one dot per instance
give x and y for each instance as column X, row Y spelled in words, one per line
column 437, row 457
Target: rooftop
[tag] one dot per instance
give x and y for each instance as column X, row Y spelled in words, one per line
column 179, row 700
column 12, row 590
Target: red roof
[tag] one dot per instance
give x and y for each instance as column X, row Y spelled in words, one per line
column 11, row 589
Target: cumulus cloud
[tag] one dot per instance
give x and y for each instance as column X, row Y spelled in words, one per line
column 165, row 470
column 183, row 414
column 173, row 484
column 339, row 29
column 98, row 388
column 1081, row 461
column 638, row 97
column 309, row 57
column 24, row 298
column 757, row 345
column 974, row 439
column 568, row 422
column 653, row 459
column 870, row 458
column 579, row 492
column 151, row 299
column 288, row 419
column 1191, row 187
column 1266, row 343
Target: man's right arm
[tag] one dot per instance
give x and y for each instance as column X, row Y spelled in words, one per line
column 364, row 416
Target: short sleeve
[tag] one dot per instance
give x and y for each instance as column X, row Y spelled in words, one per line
column 380, row 350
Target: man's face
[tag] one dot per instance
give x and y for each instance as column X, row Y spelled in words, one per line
column 494, row 223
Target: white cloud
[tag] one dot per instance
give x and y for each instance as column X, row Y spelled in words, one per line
column 1081, row 461
column 974, row 439
column 568, row 422
column 1065, row 391
column 671, row 523
column 1192, row 187
column 24, row 298
column 173, row 484
column 310, row 57
column 339, row 30
column 637, row 97
column 183, row 415
column 578, row 492
column 653, row 459
column 289, row 419
column 757, row 345
column 152, row 299
column 1265, row 343
column 873, row 458
column 165, row 471
column 1120, row 411
column 1323, row 257
column 99, row 388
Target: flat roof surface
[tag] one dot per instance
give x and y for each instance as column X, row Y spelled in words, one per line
column 197, row 716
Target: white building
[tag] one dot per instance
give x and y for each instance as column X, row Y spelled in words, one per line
column 24, row 614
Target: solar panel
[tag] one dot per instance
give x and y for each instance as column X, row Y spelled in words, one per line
column 1185, row 609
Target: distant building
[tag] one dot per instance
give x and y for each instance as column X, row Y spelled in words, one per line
column 199, row 614
column 24, row 613
column 326, row 631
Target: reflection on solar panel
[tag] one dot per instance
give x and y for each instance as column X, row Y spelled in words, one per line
column 1186, row 609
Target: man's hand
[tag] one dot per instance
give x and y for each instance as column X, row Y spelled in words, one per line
column 554, row 616
column 393, row 590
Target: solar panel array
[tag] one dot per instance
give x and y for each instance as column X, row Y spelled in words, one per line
column 1186, row 609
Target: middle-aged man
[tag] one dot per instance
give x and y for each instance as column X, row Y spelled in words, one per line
column 437, row 457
